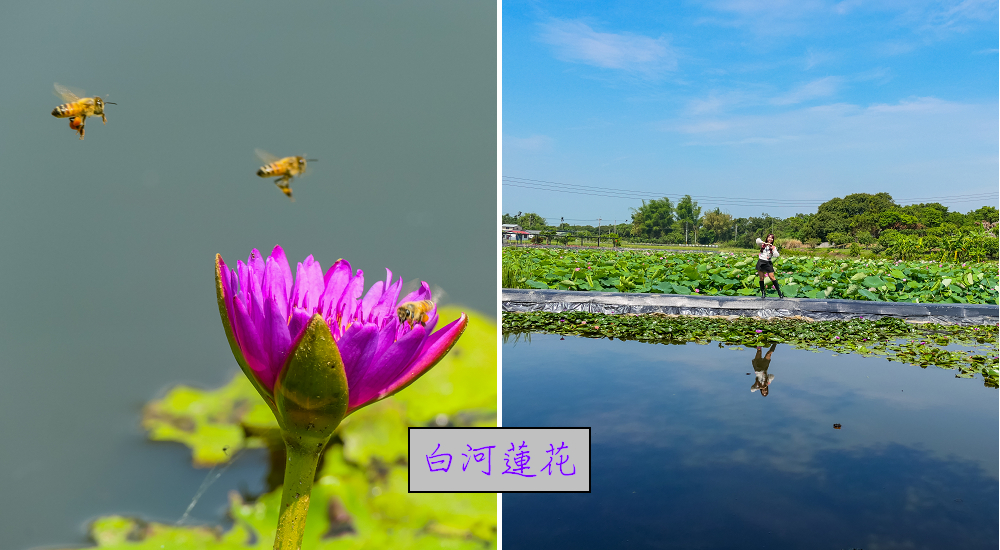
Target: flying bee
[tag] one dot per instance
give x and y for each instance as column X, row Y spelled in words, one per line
column 286, row 168
column 78, row 109
column 415, row 312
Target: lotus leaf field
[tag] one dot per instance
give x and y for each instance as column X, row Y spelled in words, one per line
column 729, row 274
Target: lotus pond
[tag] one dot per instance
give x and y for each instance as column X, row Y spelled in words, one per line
column 788, row 446
column 733, row 275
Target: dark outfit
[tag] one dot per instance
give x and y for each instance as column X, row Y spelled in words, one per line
column 765, row 266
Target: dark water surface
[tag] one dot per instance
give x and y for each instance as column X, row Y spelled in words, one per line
column 685, row 455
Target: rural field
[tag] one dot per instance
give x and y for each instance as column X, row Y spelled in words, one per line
column 728, row 274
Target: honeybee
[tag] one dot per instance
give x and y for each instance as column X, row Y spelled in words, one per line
column 415, row 312
column 287, row 168
column 79, row 109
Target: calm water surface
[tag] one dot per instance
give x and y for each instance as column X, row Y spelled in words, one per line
column 688, row 453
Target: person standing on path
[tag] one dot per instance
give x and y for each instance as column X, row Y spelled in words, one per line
column 764, row 266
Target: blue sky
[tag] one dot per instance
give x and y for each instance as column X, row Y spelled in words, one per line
column 789, row 103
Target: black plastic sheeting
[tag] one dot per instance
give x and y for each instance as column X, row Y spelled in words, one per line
column 820, row 310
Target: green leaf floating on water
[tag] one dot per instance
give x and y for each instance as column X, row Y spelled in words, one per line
column 113, row 532
column 352, row 508
column 212, row 423
column 461, row 389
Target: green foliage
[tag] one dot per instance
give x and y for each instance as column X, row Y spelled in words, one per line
column 512, row 273
column 688, row 216
column 897, row 340
column 360, row 499
column 838, row 237
column 653, row 219
column 732, row 275
column 719, row 223
column 864, row 237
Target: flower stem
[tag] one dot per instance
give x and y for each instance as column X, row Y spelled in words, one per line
column 300, row 470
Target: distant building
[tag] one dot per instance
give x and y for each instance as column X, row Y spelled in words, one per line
column 512, row 232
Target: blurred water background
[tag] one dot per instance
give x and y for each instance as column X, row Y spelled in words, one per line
column 107, row 294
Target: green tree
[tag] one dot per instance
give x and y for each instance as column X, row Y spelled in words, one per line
column 836, row 215
column 654, row 218
column 986, row 213
column 719, row 223
column 531, row 221
column 688, row 214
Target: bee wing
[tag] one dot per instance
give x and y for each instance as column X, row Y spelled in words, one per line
column 268, row 158
column 438, row 294
column 66, row 94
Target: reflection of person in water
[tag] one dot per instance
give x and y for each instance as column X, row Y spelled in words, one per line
column 760, row 365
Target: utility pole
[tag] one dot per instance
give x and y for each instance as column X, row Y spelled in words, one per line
column 598, row 232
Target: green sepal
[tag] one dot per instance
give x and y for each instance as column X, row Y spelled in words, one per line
column 237, row 352
column 311, row 391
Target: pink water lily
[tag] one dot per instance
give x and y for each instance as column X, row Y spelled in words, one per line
column 267, row 312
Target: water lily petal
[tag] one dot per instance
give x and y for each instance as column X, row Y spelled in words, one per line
column 346, row 305
column 228, row 292
column 255, row 270
column 273, row 285
column 297, row 322
column 371, row 298
column 384, row 369
column 357, row 347
column 385, row 309
column 251, row 345
column 436, row 346
column 308, row 285
column 278, row 255
column 389, row 333
column 275, row 338
column 334, row 281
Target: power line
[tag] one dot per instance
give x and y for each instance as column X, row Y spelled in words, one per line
column 646, row 195
column 579, row 189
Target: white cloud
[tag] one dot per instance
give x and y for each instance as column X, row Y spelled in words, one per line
column 769, row 17
column 814, row 58
column 802, row 17
column 920, row 123
column 532, row 144
column 957, row 15
column 576, row 42
column 894, row 47
column 821, row 87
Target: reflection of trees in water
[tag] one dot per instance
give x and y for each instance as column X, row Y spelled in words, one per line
column 760, row 365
